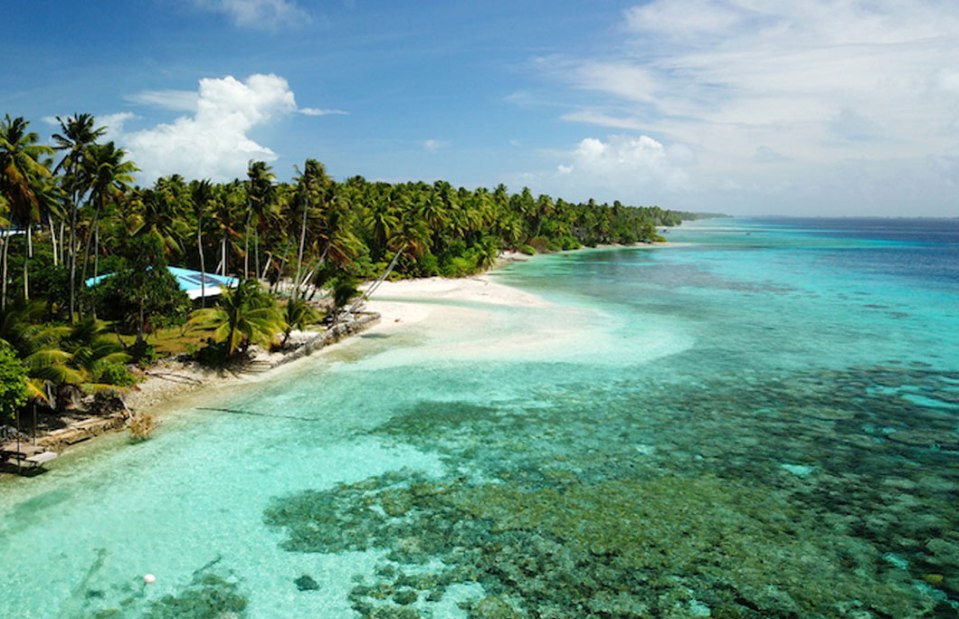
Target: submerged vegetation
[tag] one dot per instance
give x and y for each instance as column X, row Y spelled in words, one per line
column 71, row 211
column 558, row 512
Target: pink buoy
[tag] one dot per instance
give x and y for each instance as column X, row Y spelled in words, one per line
column 149, row 579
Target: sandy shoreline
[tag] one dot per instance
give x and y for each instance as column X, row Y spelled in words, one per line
column 170, row 385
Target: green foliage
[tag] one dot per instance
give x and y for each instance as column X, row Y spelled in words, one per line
column 142, row 291
column 13, row 382
column 344, row 291
column 85, row 218
column 115, row 374
column 245, row 315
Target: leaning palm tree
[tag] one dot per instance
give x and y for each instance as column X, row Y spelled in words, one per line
column 21, row 169
column 311, row 188
column 245, row 315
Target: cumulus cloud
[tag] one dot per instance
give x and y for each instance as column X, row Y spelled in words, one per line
column 213, row 142
column 259, row 14
column 636, row 169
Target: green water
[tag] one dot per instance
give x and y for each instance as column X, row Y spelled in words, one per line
column 762, row 424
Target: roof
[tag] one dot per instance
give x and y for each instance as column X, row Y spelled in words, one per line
column 189, row 282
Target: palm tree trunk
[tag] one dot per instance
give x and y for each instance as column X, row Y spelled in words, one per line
column 266, row 265
column 3, row 294
column 53, row 240
column 26, row 264
column 73, row 259
column 299, row 261
column 246, row 249
column 256, row 252
column 199, row 249
column 279, row 276
column 96, row 259
column 90, row 241
column 223, row 256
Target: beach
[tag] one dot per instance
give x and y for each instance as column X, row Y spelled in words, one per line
column 397, row 305
column 689, row 430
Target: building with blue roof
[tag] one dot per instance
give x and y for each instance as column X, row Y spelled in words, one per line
column 191, row 282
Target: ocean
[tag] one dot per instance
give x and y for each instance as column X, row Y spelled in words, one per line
column 761, row 420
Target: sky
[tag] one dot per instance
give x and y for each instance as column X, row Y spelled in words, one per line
column 747, row 107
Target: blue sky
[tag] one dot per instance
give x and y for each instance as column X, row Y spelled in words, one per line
column 838, row 107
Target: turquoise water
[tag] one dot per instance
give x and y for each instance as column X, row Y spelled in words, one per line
column 763, row 422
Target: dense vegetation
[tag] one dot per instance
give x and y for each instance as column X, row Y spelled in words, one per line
column 72, row 211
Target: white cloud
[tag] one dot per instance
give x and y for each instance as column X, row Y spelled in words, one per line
column 114, row 123
column 741, row 81
column 259, row 14
column 636, row 170
column 176, row 100
column 431, row 146
column 315, row 111
column 213, row 142
column 685, row 19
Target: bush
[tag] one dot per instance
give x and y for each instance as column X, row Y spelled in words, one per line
column 13, row 385
column 116, row 374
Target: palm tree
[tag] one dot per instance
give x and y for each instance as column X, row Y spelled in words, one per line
column 20, row 171
column 311, row 188
column 298, row 314
column 77, row 135
column 381, row 220
column 226, row 206
column 243, row 316
column 160, row 209
column 110, row 178
column 260, row 193
column 201, row 196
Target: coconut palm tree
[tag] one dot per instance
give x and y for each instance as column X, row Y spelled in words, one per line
column 21, row 167
column 298, row 314
column 260, row 193
column 110, row 180
column 244, row 315
column 77, row 134
column 311, row 187
column 201, row 197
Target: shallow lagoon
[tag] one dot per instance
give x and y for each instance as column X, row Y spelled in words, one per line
column 764, row 423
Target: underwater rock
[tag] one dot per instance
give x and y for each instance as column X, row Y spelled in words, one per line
column 493, row 607
column 405, row 597
column 208, row 597
column 306, row 583
column 799, row 470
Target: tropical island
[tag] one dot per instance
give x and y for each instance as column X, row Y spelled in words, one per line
column 102, row 278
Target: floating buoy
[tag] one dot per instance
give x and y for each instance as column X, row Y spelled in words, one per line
column 149, row 579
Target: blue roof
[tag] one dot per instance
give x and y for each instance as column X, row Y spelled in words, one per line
column 189, row 282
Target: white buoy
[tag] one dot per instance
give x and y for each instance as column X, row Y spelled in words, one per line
column 149, row 579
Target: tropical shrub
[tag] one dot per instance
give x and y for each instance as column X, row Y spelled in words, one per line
column 244, row 315
column 13, row 382
column 115, row 374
